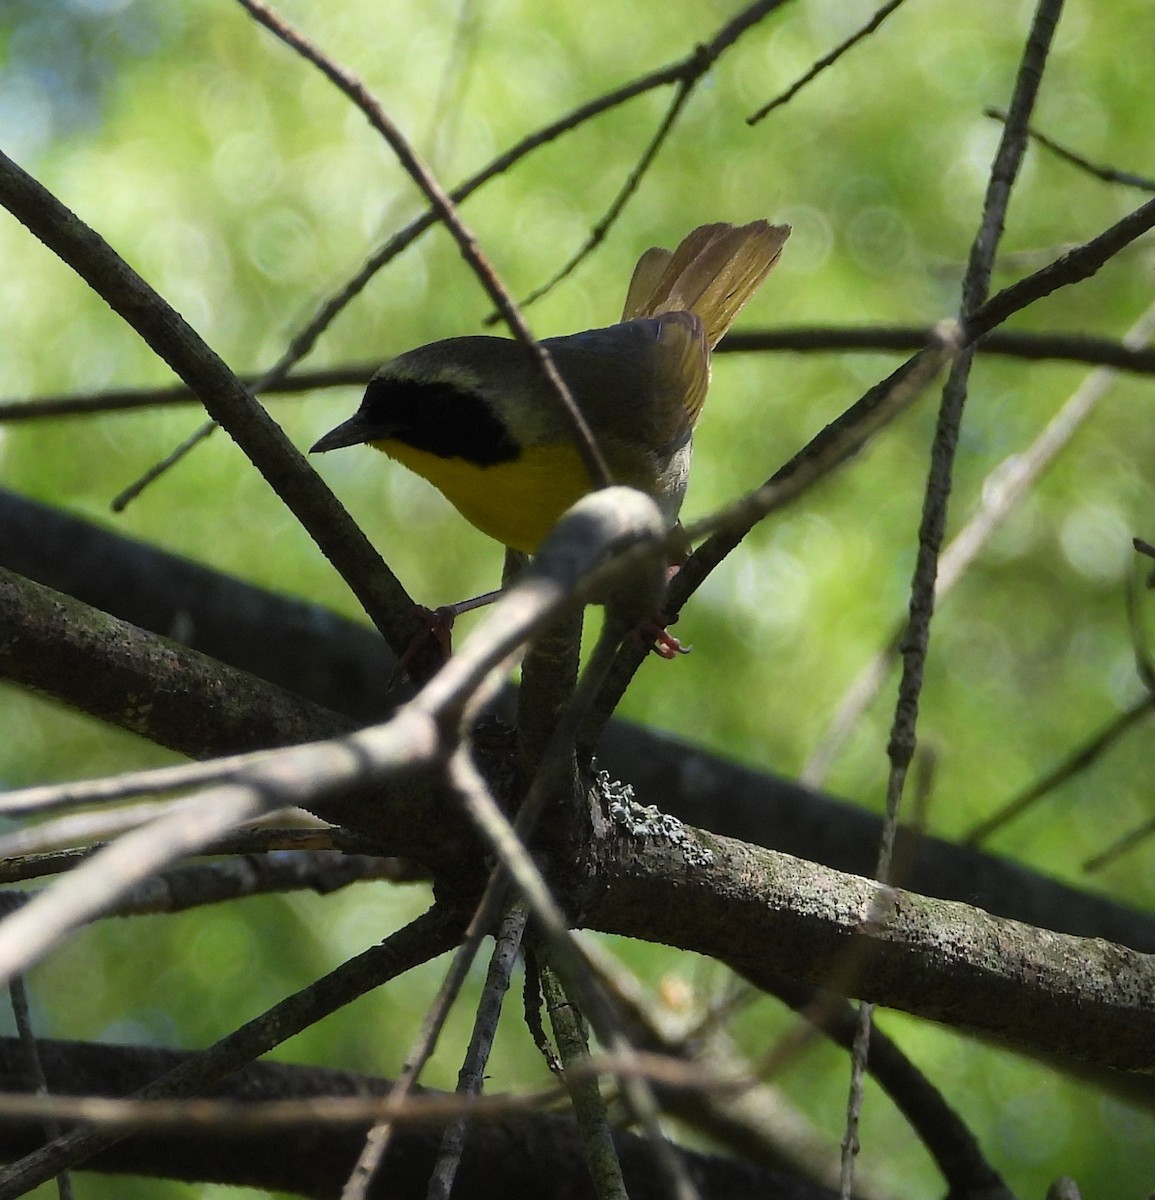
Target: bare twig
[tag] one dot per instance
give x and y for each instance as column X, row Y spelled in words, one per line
column 589, row 1107
column 1005, row 486
column 113, row 1119
column 507, row 942
column 976, row 285
column 619, row 202
column 66, row 832
column 185, row 887
column 1121, row 846
column 1091, row 750
column 690, row 72
column 36, row 1076
column 133, row 399
column 1077, row 761
column 447, row 212
column 1073, row 266
column 827, row 60
column 141, row 1112
column 1106, row 174
column 816, row 339
column 255, row 845
column 381, row 1134
column 429, row 936
column 117, row 788
column 870, row 339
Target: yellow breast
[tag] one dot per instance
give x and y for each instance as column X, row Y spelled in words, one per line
column 516, row 502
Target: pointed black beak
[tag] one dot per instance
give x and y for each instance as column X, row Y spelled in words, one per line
column 352, row 432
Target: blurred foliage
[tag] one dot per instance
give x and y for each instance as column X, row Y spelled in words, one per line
column 246, row 190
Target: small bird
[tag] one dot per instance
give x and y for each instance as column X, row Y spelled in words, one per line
column 478, row 419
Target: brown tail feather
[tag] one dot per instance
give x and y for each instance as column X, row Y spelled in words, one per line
column 712, row 273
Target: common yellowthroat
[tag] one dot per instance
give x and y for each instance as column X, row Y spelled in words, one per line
column 477, row 418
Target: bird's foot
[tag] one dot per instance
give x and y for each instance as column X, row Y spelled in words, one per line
column 435, row 623
column 657, row 639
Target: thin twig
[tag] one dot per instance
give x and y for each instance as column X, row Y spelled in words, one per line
column 1071, row 267
column 1121, row 846
column 1145, row 668
column 251, row 843
column 1002, row 490
column 1106, row 174
column 827, row 60
column 381, row 1134
column 139, row 1112
column 447, row 212
column 1093, row 749
column 871, row 339
column 425, row 938
column 588, row 1104
column 38, row 1080
column 155, row 781
column 619, row 202
column 976, row 287
column 193, row 886
column 66, row 832
column 1073, row 764
column 812, row 339
column 470, row 1078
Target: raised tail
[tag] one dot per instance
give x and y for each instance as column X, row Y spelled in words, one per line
column 712, row 273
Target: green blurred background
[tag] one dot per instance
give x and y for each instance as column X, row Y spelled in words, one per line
column 247, row 190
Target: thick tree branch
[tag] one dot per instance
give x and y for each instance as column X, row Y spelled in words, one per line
column 518, row 1156
column 346, row 666
column 61, row 648
column 762, row 911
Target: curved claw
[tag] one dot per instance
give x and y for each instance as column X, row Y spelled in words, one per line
column 667, row 646
column 653, row 633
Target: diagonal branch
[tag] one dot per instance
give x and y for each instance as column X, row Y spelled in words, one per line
column 226, row 400
column 1073, row 267
column 429, row 936
column 447, row 213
